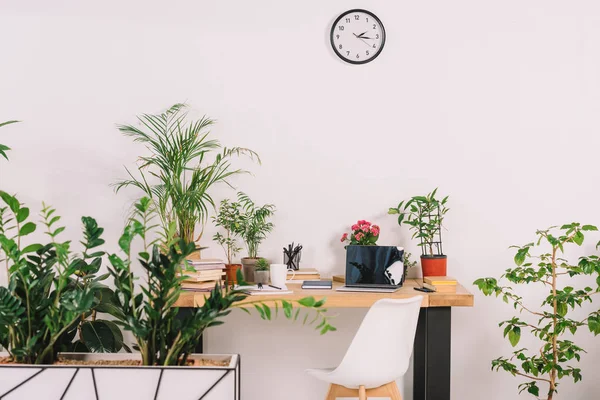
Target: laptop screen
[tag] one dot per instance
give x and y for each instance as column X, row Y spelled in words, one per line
column 374, row 265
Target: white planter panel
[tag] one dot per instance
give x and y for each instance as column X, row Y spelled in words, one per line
column 82, row 386
column 11, row 377
column 86, row 382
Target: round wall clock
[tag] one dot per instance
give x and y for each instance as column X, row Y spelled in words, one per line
column 357, row 36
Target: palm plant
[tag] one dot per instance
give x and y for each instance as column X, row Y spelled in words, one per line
column 255, row 224
column 180, row 160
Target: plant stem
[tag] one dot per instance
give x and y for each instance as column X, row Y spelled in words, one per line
column 554, row 324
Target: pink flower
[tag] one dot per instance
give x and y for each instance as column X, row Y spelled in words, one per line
column 361, row 222
column 364, row 228
column 375, row 230
column 355, row 227
column 359, row 236
column 344, row 237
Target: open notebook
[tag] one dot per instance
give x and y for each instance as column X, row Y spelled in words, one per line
column 253, row 290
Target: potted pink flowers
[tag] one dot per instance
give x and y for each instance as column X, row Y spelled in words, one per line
column 363, row 234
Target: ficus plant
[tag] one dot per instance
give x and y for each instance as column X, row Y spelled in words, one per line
column 542, row 263
column 53, row 296
column 182, row 168
column 230, row 218
column 162, row 336
column 424, row 215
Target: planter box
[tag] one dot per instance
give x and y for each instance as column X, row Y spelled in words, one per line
column 119, row 382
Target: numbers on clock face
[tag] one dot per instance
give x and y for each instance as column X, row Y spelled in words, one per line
column 357, row 36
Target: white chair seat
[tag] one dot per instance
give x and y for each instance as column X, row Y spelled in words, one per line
column 380, row 351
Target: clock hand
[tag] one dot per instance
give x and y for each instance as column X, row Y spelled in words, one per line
column 367, row 43
column 361, row 35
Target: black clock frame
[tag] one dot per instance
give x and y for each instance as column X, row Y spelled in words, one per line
column 338, row 19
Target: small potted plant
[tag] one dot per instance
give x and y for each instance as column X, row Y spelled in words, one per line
column 425, row 215
column 229, row 217
column 363, row 234
column 261, row 272
column 253, row 230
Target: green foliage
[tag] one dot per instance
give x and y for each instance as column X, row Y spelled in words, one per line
column 556, row 356
column 4, row 148
column 52, row 294
column 186, row 164
column 228, row 217
column 408, row 261
column 254, row 225
column 262, row 265
column 163, row 337
column 424, row 215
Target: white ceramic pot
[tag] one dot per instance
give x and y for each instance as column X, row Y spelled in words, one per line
column 110, row 382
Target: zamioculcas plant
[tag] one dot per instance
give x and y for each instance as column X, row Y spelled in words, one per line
column 150, row 315
column 4, row 148
column 550, row 323
column 53, row 296
column 183, row 166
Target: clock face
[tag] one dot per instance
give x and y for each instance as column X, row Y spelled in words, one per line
column 357, row 36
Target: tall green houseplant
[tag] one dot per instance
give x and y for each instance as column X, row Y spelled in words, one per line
column 253, row 230
column 425, row 216
column 541, row 263
column 181, row 169
column 4, row 148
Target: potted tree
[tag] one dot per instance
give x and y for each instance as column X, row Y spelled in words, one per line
column 229, row 217
column 425, row 215
column 261, row 272
column 555, row 323
column 253, row 230
column 183, row 166
column 164, row 363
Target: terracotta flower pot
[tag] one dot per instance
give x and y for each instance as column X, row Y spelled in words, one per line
column 434, row 265
column 231, row 271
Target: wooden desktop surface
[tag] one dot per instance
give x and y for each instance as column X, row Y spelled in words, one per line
column 462, row 297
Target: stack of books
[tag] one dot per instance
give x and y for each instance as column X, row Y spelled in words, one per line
column 206, row 275
column 303, row 274
column 442, row 284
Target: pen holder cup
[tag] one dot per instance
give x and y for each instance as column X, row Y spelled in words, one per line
column 294, row 262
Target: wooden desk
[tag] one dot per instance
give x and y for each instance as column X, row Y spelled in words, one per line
column 432, row 349
column 462, row 298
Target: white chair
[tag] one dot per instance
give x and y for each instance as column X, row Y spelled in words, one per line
column 379, row 353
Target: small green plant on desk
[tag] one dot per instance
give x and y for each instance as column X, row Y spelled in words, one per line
column 262, row 265
column 550, row 322
column 230, row 218
column 162, row 337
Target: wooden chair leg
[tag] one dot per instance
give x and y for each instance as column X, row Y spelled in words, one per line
column 331, row 392
column 394, row 391
column 362, row 393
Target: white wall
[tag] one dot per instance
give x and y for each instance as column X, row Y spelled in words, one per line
column 494, row 102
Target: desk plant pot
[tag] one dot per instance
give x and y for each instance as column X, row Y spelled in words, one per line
column 106, row 376
column 248, row 268
column 434, row 265
column 231, row 272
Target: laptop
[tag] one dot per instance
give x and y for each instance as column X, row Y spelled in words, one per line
column 378, row 269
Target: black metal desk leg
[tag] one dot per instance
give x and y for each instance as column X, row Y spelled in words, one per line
column 432, row 355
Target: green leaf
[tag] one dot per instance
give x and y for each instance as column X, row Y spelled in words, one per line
column 22, row 214
column 101, row 337
column 578, row 238
column 32, row 248
column 27, row 229
column 514, row 335
column 307, row 301
column 589, row 228
column 11, row 201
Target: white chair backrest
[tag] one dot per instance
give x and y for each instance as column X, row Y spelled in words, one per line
column 382, row 347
